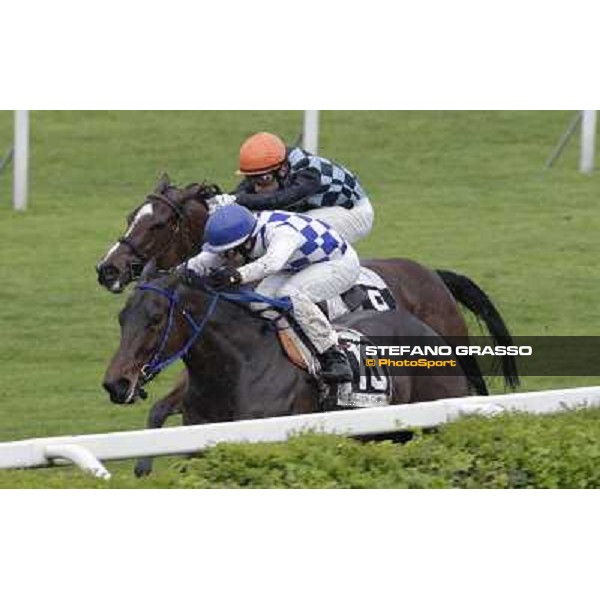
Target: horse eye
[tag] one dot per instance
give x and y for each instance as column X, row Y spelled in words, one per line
column 155, row 319
column 157, row 226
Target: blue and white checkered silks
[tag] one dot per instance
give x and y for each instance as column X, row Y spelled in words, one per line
column 339, row 187
column 322, row 242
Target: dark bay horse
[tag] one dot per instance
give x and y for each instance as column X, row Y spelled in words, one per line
column 236, row 367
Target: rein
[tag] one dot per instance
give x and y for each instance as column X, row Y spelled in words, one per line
column 157, row 364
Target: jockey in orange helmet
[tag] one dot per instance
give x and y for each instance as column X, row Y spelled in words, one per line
column 277, row 177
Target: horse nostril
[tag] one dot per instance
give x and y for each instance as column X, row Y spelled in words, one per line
column 107, row 274
column 117, row 390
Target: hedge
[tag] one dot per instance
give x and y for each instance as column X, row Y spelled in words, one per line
column 507, row 451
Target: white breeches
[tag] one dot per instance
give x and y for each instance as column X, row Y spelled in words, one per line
column 317, row 282
column 353, row 223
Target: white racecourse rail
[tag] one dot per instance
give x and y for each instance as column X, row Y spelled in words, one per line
column 87, row 451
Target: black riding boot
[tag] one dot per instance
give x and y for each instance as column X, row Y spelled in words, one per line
column 335, row 367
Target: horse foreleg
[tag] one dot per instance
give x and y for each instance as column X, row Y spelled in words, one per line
column 160, row 411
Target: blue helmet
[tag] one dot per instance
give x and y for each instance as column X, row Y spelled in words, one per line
column 228, row 227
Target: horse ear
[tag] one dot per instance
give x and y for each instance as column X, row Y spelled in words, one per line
column 149, row 270
column 163, row 184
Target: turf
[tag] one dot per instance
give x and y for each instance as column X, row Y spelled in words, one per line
column 457, row 190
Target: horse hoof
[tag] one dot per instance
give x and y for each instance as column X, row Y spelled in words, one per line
column 143, row 467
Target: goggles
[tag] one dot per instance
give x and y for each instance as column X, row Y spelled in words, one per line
column 264, row 179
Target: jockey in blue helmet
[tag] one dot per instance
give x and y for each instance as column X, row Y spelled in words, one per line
column 291, row 255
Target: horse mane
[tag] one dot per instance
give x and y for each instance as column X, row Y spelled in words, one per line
column 172, row 278
column 201, row 191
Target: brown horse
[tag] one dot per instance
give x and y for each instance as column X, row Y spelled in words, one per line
column 168, row 228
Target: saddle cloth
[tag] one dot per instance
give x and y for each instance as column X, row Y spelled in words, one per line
column 369, row 293
column 371, row 386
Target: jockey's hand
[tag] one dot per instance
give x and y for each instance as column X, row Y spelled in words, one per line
column 189, row 277
column 224, row 277
column 219, row 201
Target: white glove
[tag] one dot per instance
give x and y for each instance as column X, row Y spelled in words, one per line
column 219, row 201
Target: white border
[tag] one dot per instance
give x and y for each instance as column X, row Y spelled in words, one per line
column 424, row 55
column 267, row 55
column 299, row 544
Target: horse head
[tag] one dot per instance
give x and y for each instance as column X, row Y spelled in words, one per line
column 166, row 227
column 157, row 328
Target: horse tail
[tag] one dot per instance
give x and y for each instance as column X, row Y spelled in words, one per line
column 472, row 297
column 473, row 374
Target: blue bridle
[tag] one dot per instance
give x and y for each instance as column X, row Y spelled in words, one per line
column 157, row 363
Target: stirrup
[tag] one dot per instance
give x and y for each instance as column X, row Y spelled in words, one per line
column 335, row 367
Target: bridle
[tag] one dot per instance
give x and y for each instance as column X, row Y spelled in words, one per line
column 157, row 362
column 181, row 217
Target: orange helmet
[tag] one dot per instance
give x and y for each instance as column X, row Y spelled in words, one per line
column 261, row 153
